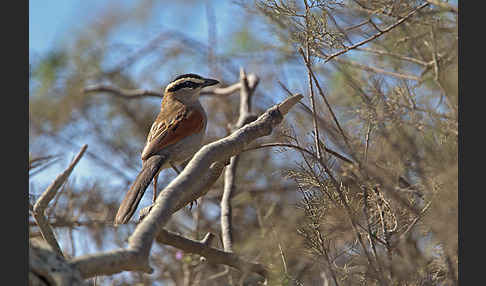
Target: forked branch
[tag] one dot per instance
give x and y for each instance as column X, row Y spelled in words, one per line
column 245, row 116
column 196, row 178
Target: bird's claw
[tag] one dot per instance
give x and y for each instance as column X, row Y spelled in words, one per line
column 192, row 203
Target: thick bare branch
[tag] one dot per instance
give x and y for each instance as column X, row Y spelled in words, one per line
column 196, row 178
column 42, row 261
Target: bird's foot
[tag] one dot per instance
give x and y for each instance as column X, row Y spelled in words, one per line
column 192, row 203
column 144, row 212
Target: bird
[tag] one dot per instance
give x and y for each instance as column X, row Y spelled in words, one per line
column 174, row 137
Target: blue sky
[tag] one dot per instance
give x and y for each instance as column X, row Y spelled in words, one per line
column 46, row 21
column 51, row 20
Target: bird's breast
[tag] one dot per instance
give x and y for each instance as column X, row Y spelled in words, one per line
column 184, row 149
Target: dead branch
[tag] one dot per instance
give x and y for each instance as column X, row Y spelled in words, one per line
column 41, row 204
column 140, row 93
column 47, row 268
column 196, row 178
column 224, row 91
column 212, row 255
column 245, row 116
column 126, row 93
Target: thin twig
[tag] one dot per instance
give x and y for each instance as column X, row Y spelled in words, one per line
column 126, row 93
column 337, row 185
column 389, row 28
column 398, row 56
column 331, row 131
column 328, row 150
column 212, row 255
column 352, row 27
column 444, row 5
column 307, row 58
column 311, row 72
column 378, row 70
column 368, row 229
column 367, row 140
column 415, row 221
column 140, row 93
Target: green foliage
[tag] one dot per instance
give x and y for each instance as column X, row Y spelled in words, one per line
column 48, row 70
column 244, row 41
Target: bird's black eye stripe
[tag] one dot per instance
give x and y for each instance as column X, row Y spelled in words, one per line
column 184, row 84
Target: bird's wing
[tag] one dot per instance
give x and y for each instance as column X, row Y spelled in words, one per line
column 172, row 125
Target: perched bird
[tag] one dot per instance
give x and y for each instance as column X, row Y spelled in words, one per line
column 175, row 135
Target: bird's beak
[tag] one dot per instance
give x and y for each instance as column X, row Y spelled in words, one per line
column 209, row 82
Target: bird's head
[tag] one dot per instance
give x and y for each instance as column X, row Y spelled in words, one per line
column 187, row 87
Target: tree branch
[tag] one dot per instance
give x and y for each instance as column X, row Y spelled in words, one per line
column 126, row 93
column 311, row 74
column 395, row 55
column 286, row 145
column 380, row 32
column 140, row 93
column 245, row 116
column 41, row 204
column 47, row 268
column 307, row 59
column 444, row 5
column 378, row 70
column 196, row 178
column 213, row 255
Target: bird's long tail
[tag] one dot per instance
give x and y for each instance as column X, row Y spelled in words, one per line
column 132, row 198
